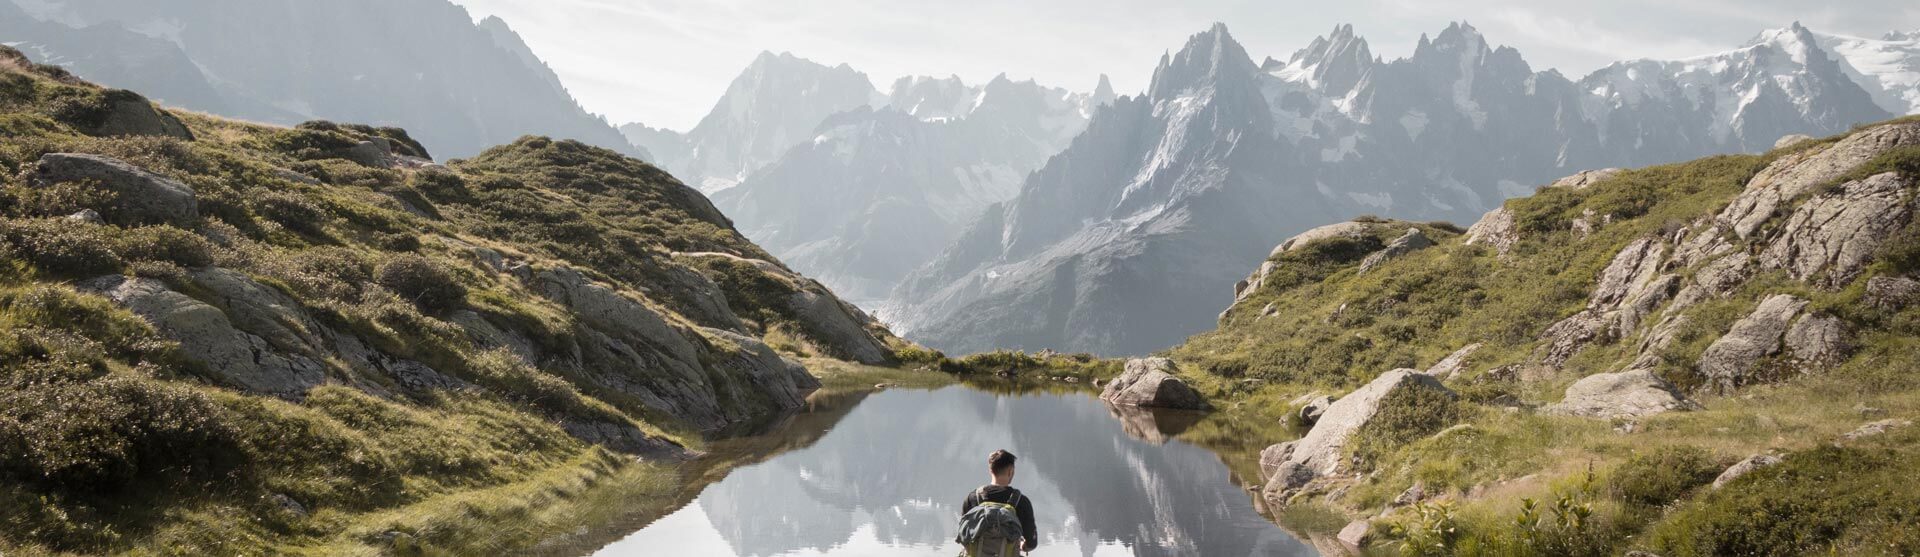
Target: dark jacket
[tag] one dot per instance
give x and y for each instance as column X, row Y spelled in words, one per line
column 1005, row 494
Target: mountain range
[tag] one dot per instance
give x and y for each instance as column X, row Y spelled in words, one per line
column 1134, row 236
column 424, row 65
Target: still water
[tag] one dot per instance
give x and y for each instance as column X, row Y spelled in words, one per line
column 883, row 474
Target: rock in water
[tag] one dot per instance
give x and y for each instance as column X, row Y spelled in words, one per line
column 141, row 197
column 1752, row 463
column 1627, row 394
column 1150, row 382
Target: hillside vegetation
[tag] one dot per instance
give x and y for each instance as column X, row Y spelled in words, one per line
column 222, row 338
column 1604, row 351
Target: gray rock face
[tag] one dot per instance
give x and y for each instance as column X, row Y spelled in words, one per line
column 143, row 197
column 1831, row 238
column 1323, row 449
column 1356, row 534
column 1744, row 467
column 1626, row 293
column 1731, row 361
column 1819, row 340
column 1454, row 363
column 1410, row 242
column 252, row 360
column 1495, row 230
column 1628, row 394
column 1795, row 174
column 1151, row 382
column 1892, row 293
column 1311, row 412
column 843, row 328
column 1273, row 456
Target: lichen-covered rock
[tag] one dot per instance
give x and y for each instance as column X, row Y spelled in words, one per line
column 1791, row 139
column 126, row 113
column 1496, row 230
column 1892, row 293
column 217, row 341
column 1627, row 291
column 1628, row 394
column 141, row 197
column 1730, row 362
column 1832, row 237
column 1314, row 408
column 1410, row 242
column 1584, row 179
column 1875, row 428
column 1151, row 382
column 1349, row 229
column 1744, row 467
column 1797, row 173
column 1273, row 456
column 1818, row 340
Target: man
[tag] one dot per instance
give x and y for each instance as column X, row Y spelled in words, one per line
column 988, row 532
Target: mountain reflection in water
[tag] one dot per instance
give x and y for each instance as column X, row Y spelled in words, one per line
column 889, row 477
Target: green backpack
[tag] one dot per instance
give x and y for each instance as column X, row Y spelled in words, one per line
column 991, row 529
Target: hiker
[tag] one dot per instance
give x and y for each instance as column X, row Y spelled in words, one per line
column 996, row 520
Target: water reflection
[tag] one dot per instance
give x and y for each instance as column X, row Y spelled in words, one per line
column 889, row 477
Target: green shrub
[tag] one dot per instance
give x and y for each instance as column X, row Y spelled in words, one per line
column 107, row 435
column 291, row 210
column 165, row 243
column 1813, row 501
column 63, row 247
column 1406, row 415
column 423, row 281
column 1663, row 475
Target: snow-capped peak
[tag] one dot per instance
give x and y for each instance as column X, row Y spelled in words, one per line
column 1333, row 63
column 1889, row 68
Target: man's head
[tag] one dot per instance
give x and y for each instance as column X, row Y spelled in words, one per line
column 1000, row 463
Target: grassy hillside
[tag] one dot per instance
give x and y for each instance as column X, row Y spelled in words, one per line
column 333, row 345
column 1509, row 473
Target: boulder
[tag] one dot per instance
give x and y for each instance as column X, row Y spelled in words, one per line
column 1496, row 230
column 1818, row 340
column 1414, row 493
column 377, row 153
column 1151, row 382
column 1875, row 428
column 1798, row 173
column 1731, row 361
column 127, row 113
column 842, row 328
column 1791, row 139
column 1356, row 534
column 1314, row 408
column 1628, row 394
column 1454, row 363
column 1743, row 468
column 141, row 197
column 1323, row 449
column 1831, row 238
column 1412, row 241
column 214, row 341
column 1627, row 291
column 1349, row 229
column 88, row 216
column 1584, row 179
column 1892, row 293
column 1273, row 456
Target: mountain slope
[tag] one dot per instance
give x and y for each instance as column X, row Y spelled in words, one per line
column 1622, row 346
column 420, row 64
column 879, row 191
column 773, row 105
column 228, row 337
column 1146, row 212
column 1888, row 68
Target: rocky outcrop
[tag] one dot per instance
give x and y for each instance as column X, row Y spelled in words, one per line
column 1151, row 382
column 1732, row 361
column 1818, row 341
column 221, row 344
column 842, row 328
column 1410, row 242
column 1875, row 428
column 1323, row 449
column 140, row 197
column 1892, row 293
column 1791, row 139
column 1496, row 230
column 1628, row 394
column 1744, row 467
column 1584, row 179
column 1798, row 173
column 1830, row 239
column 1628, row 291
column 127, row 113
column 1315, row 407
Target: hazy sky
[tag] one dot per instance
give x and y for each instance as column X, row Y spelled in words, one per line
column 665, row 62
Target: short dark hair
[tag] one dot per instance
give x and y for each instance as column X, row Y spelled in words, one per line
column 1000, row 461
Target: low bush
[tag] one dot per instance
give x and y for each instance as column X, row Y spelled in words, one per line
column 166, row 244
column 291, row 210
column 107, row 435
column 423, row 281
column 1825, row 499
column 1404, row 416
column 1663, row 475
column 63, row 247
